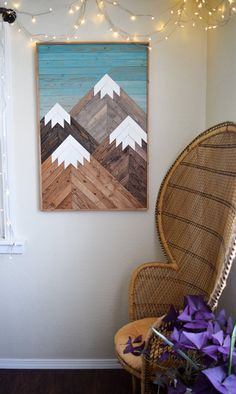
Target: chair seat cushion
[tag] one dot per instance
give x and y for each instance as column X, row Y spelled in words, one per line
column 138, row 327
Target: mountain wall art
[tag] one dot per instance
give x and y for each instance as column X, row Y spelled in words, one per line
column 93, row 126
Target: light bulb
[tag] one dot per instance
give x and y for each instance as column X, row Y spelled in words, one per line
column 133, row 17
column 33, row 19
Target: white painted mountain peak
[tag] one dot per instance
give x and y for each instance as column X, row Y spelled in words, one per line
column 106, row 85
column 70, row 152
column 57, row 114
column 128, row 133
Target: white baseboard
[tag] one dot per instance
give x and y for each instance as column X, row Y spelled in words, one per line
column 38, row 363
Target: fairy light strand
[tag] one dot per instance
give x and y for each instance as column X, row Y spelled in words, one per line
column 205, row 14
column 6, row 227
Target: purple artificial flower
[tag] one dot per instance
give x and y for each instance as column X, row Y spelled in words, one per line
column 197, row 304
column 196, row 313
column 225, row 323
column 203, row 386
column 216, row 341
column 178, row 388
column 191, row 340
column 220, row 381
column 138, row 339
column 135, row 350
column 172, row 315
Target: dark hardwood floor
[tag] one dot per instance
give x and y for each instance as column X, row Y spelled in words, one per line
column 64, row 382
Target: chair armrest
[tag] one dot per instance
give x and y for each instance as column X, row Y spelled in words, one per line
column 153, row 288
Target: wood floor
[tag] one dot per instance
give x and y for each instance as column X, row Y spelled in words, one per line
column 64, row 382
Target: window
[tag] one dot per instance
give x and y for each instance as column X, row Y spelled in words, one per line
column 8, row 243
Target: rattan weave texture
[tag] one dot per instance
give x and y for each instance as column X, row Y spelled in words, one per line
column 196, row 224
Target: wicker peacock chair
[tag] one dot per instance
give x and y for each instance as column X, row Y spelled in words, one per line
column 196, row 223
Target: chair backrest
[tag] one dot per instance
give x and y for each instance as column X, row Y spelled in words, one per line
column 196, row 211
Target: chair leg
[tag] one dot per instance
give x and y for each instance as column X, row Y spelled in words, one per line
column 135, row 385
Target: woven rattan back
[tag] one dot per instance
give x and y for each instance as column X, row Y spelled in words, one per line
column 196, row 211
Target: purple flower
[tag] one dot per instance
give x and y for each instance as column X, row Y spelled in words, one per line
column 192, row 340
column 203, row 386
column 135, row 350
column 178, row 388
column 196, row 314
column 218, row 378
column 197, row 303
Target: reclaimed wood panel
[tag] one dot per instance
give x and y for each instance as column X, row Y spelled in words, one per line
column 90, row 187
column 93, row 127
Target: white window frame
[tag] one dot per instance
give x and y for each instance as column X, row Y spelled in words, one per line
column 8, row 243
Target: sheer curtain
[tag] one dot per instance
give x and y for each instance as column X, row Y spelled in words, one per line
column 6, row 232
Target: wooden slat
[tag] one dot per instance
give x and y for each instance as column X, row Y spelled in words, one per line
column 91, row 187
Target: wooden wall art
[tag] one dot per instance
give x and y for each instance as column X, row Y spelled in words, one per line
column 93, row 125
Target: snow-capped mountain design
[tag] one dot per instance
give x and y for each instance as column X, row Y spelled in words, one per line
column 106, row 85
column 70, row 152
column 127, row 133
column 57, row 114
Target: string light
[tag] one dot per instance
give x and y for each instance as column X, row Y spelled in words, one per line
column 180, row 14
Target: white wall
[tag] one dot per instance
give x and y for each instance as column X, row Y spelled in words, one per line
column 221, row 106
column 67, row 295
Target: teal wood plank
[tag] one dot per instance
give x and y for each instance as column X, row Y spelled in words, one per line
column 43, row 48
column 69, row 71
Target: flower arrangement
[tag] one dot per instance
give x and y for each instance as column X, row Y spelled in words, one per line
column 203, row 345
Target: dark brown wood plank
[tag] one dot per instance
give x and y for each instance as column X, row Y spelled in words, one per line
column 65, row 382
column 51, row 138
